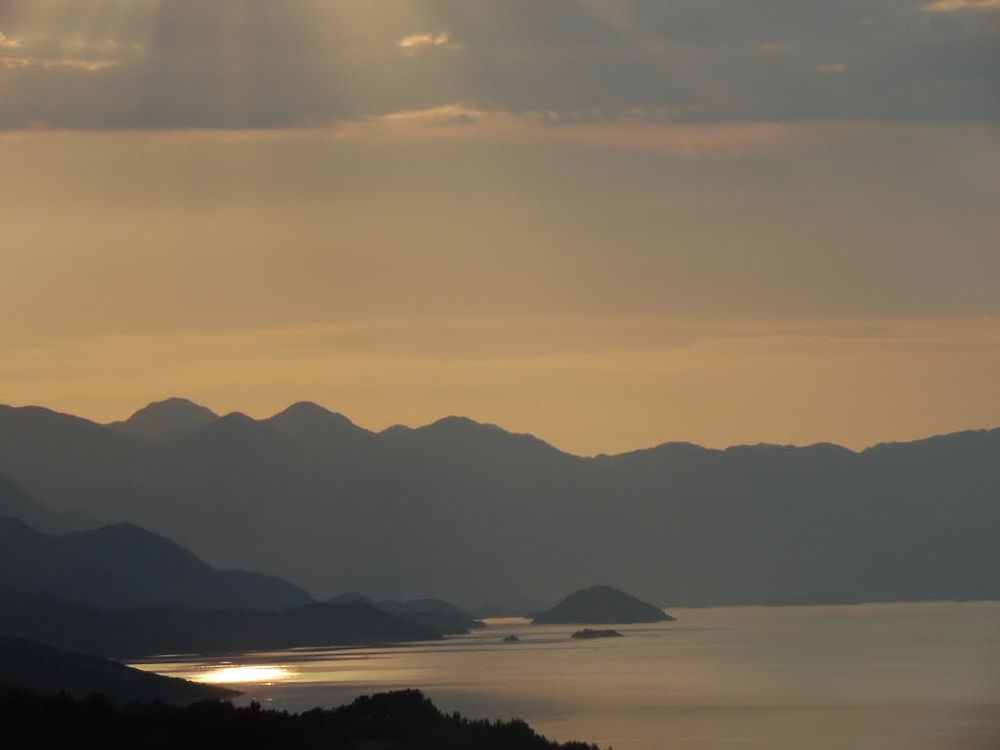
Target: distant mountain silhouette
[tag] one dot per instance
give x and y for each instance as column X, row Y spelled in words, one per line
column 18, row 504
column 58, row 458
column 459, row 439
column 601, row 605
column 165, row 419
column 512, row 607
column 123, row 566
column 320, row 431
column 351, row 597
column 416, row 606
column 152, row 631
column 42, row 669
column 434, row 614
column 474, row 514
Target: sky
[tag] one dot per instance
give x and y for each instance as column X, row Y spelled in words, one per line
column 610, row 223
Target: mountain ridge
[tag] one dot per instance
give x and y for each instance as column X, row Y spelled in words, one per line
column 16, row 503
column 164, row 419
column 489, row 426
column 471, row 513
column 151, row 631
column 123, row 565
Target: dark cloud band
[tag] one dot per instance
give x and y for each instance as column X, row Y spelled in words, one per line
column 256, row 64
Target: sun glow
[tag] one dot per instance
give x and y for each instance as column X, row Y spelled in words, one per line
column 242, row 675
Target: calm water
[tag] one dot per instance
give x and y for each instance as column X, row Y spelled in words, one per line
column 901, row 676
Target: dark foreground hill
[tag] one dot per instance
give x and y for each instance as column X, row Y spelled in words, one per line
column 124, row 566
column 393, row 721
column 130, row 634
column 41, row 669
column 601, row 605
column 473, row 513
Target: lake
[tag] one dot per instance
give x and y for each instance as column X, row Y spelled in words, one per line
column 878, row 676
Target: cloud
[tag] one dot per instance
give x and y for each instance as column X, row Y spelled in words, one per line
column 649, row 132
column 315, row 63
column 449, row 114
column 49, row 63
column 952, row 6
column 416, row 42
column 71, row 53
column 836, row 69
column 7, row 42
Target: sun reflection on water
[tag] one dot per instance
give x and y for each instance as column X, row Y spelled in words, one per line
column 244, row 675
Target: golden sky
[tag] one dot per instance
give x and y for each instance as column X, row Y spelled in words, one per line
column 611, row 223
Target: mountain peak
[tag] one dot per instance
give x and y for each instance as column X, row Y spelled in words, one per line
column 318, row 429
column 235, row 424
column 307, row 412
column 456, row 422
column 237, row 417
column 468, row 432
column 452, row 425
column 162, row 419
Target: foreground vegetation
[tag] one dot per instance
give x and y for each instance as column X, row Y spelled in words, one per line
column 404, row 720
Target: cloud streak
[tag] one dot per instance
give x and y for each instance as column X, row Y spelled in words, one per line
column 953, row 6
column 50, row 63
column 47, row 52
column 837, row 69
column 414, row 43
column 637, row 131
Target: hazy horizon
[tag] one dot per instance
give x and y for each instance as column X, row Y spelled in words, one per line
column 609, row 223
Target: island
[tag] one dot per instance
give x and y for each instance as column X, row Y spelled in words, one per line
column 601, row 605
column 588, row 633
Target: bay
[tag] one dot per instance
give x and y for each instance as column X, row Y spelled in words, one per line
column 878, row 676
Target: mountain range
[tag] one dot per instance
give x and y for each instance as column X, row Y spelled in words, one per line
column 474, row 513
column 124, row 566
column 434, row 614
column 153, row 631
